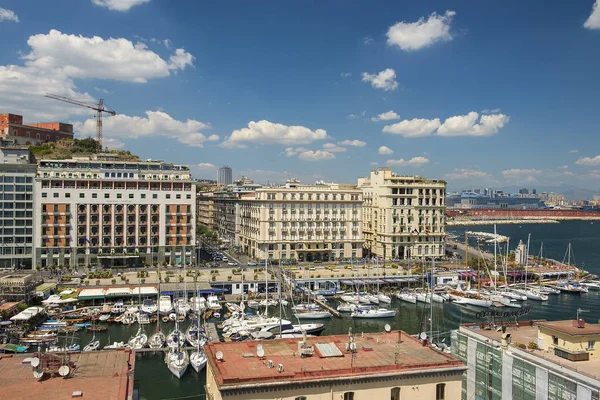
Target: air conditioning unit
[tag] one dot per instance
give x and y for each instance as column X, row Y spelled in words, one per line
column 280, row 368
column 270, row 363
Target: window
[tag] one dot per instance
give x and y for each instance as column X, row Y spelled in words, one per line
column 154, row 196
column 119, row 195
column 178, row 196
column 349, row 396
column 440, row 391
column 188, row 196
column 301, row 398
column 67, row 195
column 94, row 195
column 44, row 194
column 107, row 195
column 81, row 195
column 131, row 195
column 395, row 394
column 591, row 344
column 143, row 195
column 555, row 340
column 168, row 196
column 55, row 195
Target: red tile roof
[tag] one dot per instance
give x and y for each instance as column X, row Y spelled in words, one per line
column 376, row 354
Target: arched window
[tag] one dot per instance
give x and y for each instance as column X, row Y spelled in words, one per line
column 419, row 250
column 395, row 394
column 349, row 396
column 440, row 391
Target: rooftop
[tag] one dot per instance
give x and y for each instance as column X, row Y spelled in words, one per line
column 570, row 327
column 102, row 375
column 376, row 354
column 526, row 332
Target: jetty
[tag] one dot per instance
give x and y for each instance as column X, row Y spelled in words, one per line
column 328, row 308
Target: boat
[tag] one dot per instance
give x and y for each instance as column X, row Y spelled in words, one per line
column 213, row 303
column 512, row 295
column 198, row 360
column 157, row 340
column 92, row 345
column 322, row 314
column 98, row 328
column 350, row 298
column 289, row 329
column 115, row 346
column 383, row 298
column 104, row 317
column 149, row 306
column 307, row 307
column 174, row 338
column 407, row 297
column 198, row 303
column 195, row 335
column 346, row 307
column 138, row 341
column 182, row 307
column 373, row 312
column 177, row 361
column 165, row 306
column 118, row 308
column 254, row 304
column 592, row 285
column 143, row 319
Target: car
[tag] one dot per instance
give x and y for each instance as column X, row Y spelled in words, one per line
column 119, row 274
column 225, row 259
column 252, row 264
column 233, row 264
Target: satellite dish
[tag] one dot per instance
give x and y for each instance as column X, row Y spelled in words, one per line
column 423, row 336
column 38, row 374
column 219, row 355
column 260, row 352
column 387, row 328
column 259, row 346
column 64, row 370
column 35, row 362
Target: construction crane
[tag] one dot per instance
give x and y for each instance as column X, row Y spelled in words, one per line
column 99, row 108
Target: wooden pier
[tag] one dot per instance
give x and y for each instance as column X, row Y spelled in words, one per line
column 328, row 308
column 211, row 330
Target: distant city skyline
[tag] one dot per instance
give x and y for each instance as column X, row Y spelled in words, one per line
column 492, row 94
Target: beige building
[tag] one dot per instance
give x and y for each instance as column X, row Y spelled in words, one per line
column 319, row 222
column 205, row 212
column 403, row 216
column 367, row 367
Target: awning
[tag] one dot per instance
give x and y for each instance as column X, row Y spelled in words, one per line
column 118, row 292
column 91, row 294
column 144, row 291
column 346, row 282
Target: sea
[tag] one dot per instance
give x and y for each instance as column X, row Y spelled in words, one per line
column 154, row 381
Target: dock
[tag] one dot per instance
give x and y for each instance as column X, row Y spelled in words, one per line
column 211, row 329
column 328, row 308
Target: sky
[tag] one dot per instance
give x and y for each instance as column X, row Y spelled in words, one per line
column 490, row 93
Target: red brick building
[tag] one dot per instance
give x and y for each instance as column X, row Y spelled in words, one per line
column 12, row 127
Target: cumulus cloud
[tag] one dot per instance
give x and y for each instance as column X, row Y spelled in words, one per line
column 413, row 162
column 155, row 124
column 492, row 111
column 119, row 5
column 472, row 125
column 588, row 161
column 206, row 166
column 8, row 15
column 333, row 148
column 346, row 74
column 593, row 21
column 417, row 127
column 385, row 79
column 266, row 132
column 386, row 116
column 316, row 155
column 466, row 173
column 353, row 143
column 213, row 138
column 383, row 150
column 411, row 36
column 517, row 176
column 112, row 143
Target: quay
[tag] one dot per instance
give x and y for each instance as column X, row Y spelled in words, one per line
column 328, row 308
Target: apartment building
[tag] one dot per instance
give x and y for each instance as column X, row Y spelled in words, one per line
column 403, row 216
column 93, row 212
column 205, row 212
column 16, row 212
column 13, row 128
column 319, row 222
column 531, row 360
column 390, row 365
column 227, row 217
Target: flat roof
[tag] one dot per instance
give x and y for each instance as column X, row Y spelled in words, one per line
column 45, row 286
column 569, row 327
column 526, row 332
column 377, row 354
column 101, row 375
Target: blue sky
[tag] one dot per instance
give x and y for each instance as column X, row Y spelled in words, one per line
column 481, row 93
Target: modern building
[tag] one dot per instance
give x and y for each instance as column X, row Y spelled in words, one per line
column 521, row 253
column 403, row 216
column 16, row 212
column 302, row 222
column 471, row 200
column 92, row 212
column 224, row 176
column 205, row 212
column 363, row 367
column 12, row 127
column 531, row 360
column 12, row 153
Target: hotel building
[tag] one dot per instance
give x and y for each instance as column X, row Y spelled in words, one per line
column 404, row 216
column 94, row 212
column 534, row 360
column 371, row 366
column 302, row 222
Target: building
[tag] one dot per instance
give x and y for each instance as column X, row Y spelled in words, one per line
column 16, row 214
column 227, row 217
column 12, row 153
column 319, row 222
column 363, row 367
column 224, row 176
column 469, row 200
column 205, row 212
column 521, row 253
column 523, row 191
column 534, row 360
column 243, row 185
column 91, row 212
column 12, row 127
column 18, row 287
column 404, row 216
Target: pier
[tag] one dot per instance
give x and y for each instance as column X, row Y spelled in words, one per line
column 328, row 308
column 211, row 330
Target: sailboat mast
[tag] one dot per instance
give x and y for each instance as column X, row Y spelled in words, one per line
column 495, row 259
column 467, row 259
column 527, row 259
column 266, row 287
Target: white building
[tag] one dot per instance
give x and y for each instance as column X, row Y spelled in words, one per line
column 404, row 216
column 224, row 176
column 302, row 222
column 113, row 213
column 521, row 253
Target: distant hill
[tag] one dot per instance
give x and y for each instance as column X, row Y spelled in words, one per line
column 67, row 148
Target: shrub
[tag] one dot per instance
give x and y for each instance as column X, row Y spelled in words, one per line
column 167, row 279
column 97, row 282
column 180, row 278
column 395, row 266
column 229, row 278
column 113, row 281
column 214, row 278
column 255, row 277
column 532, row 346
column 318, row 275
column 520, row 345
column 122, row 277
column 143, row 280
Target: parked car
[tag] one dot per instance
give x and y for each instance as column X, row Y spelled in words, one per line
column 233, row 264
column 225, row 259
column 252, row 264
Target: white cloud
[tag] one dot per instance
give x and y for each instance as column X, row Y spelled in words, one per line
column 466, row 173
column 346, row 74
column 155, row 124
column 206, row 166
column 385, row 79
column 588, row 161
column 291, row 151
column 517, row 176
column 492, row 111
column 573, row 151
column 266, row 132
column 383, row 150
column 8, row 15
column 417, row 127
column 411, row 36
column 367, row 40
column 386, row 116
column 119, row 5
column 353, row 143
column 317, row 155
column 413, row 162
column 213, row 138
column 593, row 21
column 112, row 143
column 563, row 167
column 333, row 148
column 466, row 125
column 101, row 90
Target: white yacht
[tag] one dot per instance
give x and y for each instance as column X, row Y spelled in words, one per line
column 198, row 360
column 198, row 304
column 322, row 314
column 177, row 361
column 149, row 306
column 407, row 297
column 92, row 346
column 182, row 307
column 374, row 312
column 213, row 303
column 138, row 341
column 346, row 307
column 165, row 307
column 118, row 308
column 350, row 298
column 383, row 298
column 157, row 340
column 115, row 346
column 175, row 338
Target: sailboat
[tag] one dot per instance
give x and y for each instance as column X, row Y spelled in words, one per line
column 569, row 286
column 92, row 345
column 407, row 297
column 198, row 357
column 532, row 294
column 381, row 297
column 310, row 310
column 176, row 358
column 139, row 340
column 157, row 340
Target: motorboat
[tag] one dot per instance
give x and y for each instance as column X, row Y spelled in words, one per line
column 513, row 295
column 373, row 298
column 407, row 297
column 118, row 308
column 322, row 314
column 592, row 285
column 182, row 307
column 253, row 304
column 350, row 298
column 532, row 294
column 198, row 304
column 198, row 360
column 149, row 306
column 346, row 307
column 288, row 329
column 213, row 303
column 373, row 312
column 115, row 346
column 165, row 307
column 177, row 361
column 307, row 307
column 143, row 319
column 104, row 317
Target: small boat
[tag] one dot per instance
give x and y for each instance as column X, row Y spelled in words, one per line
column 165, row 306
column 323, row 314
column 149, row 306
column 115, row 346
column 98, row 328
column 143, row 319
column 198, row 360
column 182, row 307
column 373, row 312
column 118, row 308
column 157, row 340
column 138, row 341
column 217, row 314
column 104, row 317
column 177, row 361
column 346, row 307
column 350, row 298
column 213, row 303
column 172, row 317
column 383, row 298
column 165, row 318
column 407, row 297
column 253, row 304
column 174, row 338
column 92, row 346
